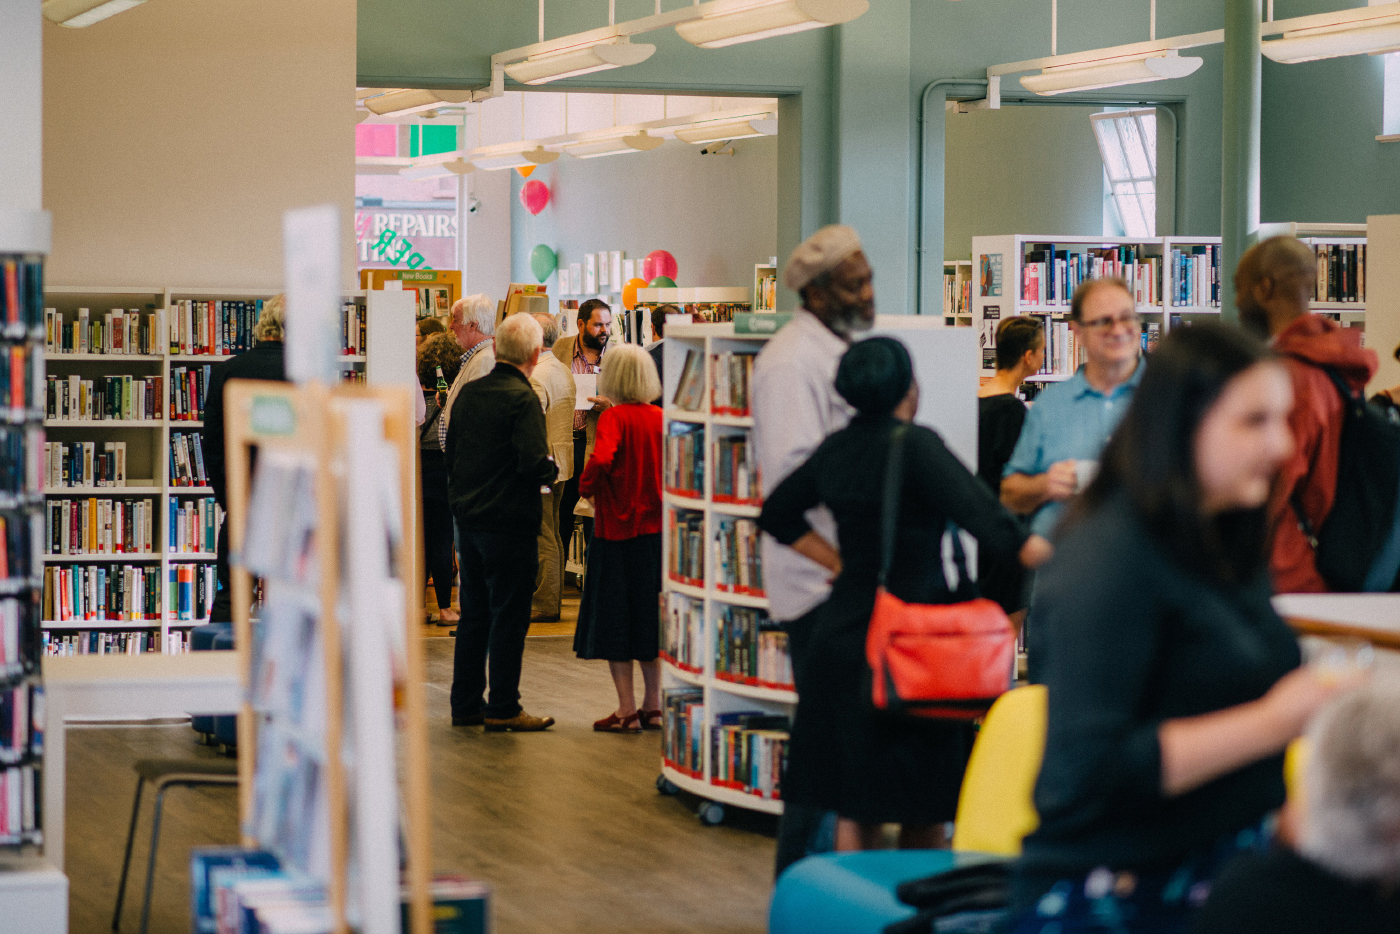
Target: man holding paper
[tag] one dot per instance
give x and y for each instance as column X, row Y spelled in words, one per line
column 582, row 353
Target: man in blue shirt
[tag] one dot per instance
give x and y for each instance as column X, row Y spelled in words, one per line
column 1070, row 422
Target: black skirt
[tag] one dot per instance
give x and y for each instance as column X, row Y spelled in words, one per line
column 619, row 616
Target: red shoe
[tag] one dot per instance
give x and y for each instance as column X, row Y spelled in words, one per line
column 651, row 719
column 612, row 723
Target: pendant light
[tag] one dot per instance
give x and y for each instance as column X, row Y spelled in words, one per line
column 729, row 22
column 1371, row 30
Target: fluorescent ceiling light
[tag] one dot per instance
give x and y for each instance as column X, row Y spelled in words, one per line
column 714, row 132
column 643, row 142
column 579, row 60
column 728, row 22
column 1369, row 37
column 540, row 156
column 436, row 170
column 591, row 149
column 1089, row 76
column 79, row 13
column 393, row 102
column 507, row 160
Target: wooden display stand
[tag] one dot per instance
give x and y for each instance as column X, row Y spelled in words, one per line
column 412, row 280
column 312, row 419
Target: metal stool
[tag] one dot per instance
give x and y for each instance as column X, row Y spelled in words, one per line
column 165, row 773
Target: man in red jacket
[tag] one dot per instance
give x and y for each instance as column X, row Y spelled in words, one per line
column 1273, row 285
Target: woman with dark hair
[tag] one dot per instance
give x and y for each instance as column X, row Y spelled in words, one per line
column 439, row 351
column 1020, row 352
column 871, row 768
column 1173, row 685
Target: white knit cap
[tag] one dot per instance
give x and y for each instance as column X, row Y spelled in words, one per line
column 822, row 252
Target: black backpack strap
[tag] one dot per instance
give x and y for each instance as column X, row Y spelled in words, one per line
column 1295, row 500
column 889, row 510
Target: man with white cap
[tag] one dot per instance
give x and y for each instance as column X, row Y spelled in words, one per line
column 795, row 406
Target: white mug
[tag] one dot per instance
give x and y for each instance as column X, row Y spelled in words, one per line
column 1084, row 473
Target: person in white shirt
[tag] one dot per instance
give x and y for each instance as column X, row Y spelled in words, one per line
column 795, row 406
column 554, row 384
column 473, row 323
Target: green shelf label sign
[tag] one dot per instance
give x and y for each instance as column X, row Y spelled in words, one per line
column 424, row 276
column 273, row 415
column 747, row 322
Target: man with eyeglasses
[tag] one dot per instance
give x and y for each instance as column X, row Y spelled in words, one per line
column 1070, row 422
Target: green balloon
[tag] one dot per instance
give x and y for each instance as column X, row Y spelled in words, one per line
column 543, row 262
column 662, row 282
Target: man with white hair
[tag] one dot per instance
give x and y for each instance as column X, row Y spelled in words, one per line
column 498, row 465
column 554, row 384
column 472, row 322
column 795, row 406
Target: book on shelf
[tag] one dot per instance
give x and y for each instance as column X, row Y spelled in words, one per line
column 1062, row 351
column 95, row 525
column 957, row 294
column 1341, row 272
column 690, row 388
column 107, row 397
column 685, row 459
column 353, row 323
column 19, row 785
column 736, row 471
column 767, row 293
column 683, row 632
column 987, row 337
column 21, row 377
column 85, row 463
column 19, row 636
column 190, row 590
column 738, row 566
column 215, row 327
column 108, row 592
column 682, row 730
column 115, row 642
column 187, row 459
column 748, row 751
column 19, row 544
column 119, row 331
column 22, row 460
column 687, row 547
column 1050, row 275
column 21, row 723
column 730, row 374
column 189, row 387
column 193, row 525
column 1195, row 270
column 751, row 649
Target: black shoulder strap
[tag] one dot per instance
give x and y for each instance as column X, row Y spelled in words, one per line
column 889, row 510
column 1348, row 401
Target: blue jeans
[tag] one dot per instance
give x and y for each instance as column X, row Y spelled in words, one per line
column 498, row 579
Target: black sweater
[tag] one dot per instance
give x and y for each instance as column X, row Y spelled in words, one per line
column 1131, row 639
column 498, row 459
column 263, row 361
column 1283, row 893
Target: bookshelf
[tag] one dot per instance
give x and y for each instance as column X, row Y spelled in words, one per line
column 957, row 292
column 765, row 286
column 1341, row 268
column 175, row 336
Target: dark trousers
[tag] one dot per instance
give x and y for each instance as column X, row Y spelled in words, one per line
column 222, row 611
column 802, row 829
column 571, row 497
column 437, row 549
column 498, row 579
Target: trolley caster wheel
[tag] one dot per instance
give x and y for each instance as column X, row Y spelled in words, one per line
column 666, row 786
column 711, row 814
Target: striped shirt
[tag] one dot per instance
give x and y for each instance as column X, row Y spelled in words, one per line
column 442, row 422
column 580, row 364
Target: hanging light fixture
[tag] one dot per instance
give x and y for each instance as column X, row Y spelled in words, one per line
column 729, row 22
column 540, row 156
column 432, row 170
column 642, row 142
column 79, row 13
column 507, row 160
column 406, row 100
column 1111, row 73
column 578, row 60
column 592, row 149
column 459, row 167
column 1371, row 30
column 714, row 132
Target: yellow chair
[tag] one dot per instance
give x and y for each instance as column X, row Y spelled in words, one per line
column 996, row 809
column 1295, row 761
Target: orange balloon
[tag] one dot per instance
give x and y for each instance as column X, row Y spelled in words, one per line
column 629, row 292
column 525, row 170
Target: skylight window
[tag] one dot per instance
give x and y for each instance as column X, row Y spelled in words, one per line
column 1128, row 144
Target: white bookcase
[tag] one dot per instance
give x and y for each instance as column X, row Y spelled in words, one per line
column 149, row 440
column 957, row 295
column 765, row 286
column 1321, row 237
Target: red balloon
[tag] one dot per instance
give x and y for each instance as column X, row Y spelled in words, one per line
column 658, row 263
column 534, row 195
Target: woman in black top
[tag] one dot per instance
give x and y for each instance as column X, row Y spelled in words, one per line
column 437, row 350
column 1020, row 352
column 872, row 768
column 1173, row 685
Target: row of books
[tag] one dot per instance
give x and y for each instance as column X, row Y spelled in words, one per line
column 353, row 326
column 19, row 790
column 690, row 388
column 683, row 729
column 19, row 630
column 685, row 459
column 730, row 375
column 118, row 331
column 94, row 526
column 187, row 459
column 736, row 470
column 107, row 397
column 713, row 312
column 1196, row 275
column 750, row 648
column 1061, row 348
column 1341, row 272
column 957, row 295
column 683, row 632
column 21, row 723
column 116, row 592
column 189, row 386
column 1049, row 276
column 84, row 464
column 194, row 525
column 115, row 642
column 22, row 464
column 686, row 554
column 213, row 327
column 19, row 543
column 21, row 297
column 748, row 751
column 767, row 293
column 738, row 566
column 21, row 376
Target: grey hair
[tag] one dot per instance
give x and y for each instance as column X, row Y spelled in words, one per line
column 629, row 375
column 478, row 308
column 1352, row 785
column 550, row 325
column 272, row 322
column 519, row 338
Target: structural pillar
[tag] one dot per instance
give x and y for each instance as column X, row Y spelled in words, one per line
column 1239, row 197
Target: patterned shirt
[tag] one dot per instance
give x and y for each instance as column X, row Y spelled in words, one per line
column 442, row 422
column 580, row 364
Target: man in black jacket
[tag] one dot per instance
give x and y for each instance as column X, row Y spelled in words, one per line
column 263, row 361
column 498, row 465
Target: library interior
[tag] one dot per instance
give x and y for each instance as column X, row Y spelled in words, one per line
column 800, row 352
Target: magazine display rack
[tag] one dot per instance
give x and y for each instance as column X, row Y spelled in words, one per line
column 330, row 537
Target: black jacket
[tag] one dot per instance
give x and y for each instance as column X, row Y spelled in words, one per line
column 263, row 361
column 498, row 459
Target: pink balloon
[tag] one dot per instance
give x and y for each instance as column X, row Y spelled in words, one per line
column 534, row 195
column 658, row 263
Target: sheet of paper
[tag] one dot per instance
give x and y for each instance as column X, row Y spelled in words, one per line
column 587, row 385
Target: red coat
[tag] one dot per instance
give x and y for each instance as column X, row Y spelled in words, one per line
column 1316, row 422
column 623, row 477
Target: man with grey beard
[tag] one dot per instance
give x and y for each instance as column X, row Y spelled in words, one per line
column 795, row 406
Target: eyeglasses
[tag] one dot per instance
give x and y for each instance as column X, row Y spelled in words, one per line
column 1104, row 324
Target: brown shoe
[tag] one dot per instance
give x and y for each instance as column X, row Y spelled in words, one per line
column 520, row 723
column 544, row 618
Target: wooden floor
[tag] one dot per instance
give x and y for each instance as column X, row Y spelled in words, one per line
column 566, row 826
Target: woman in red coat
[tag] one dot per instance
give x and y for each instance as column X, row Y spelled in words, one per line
column 617, row 618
